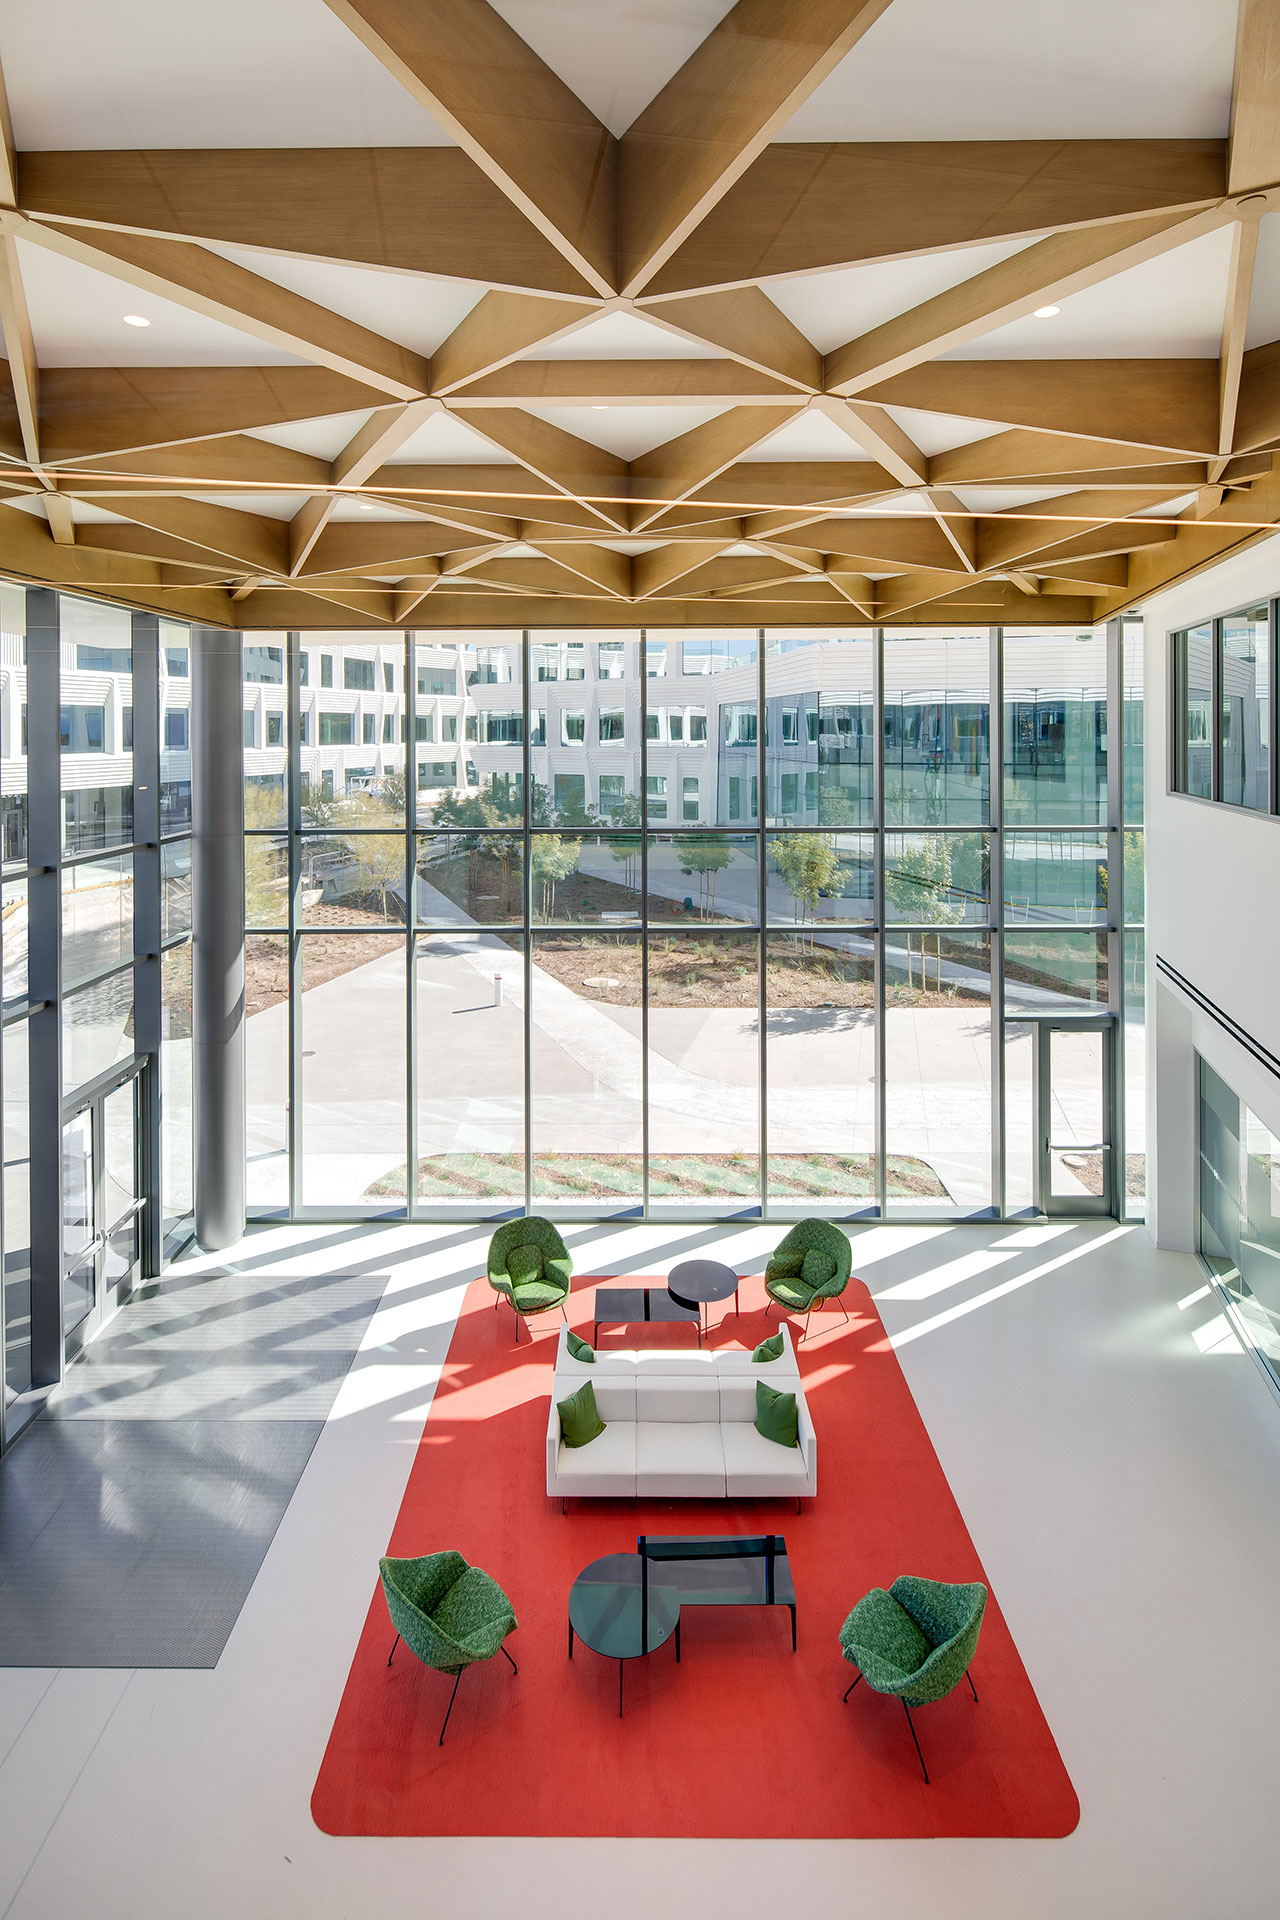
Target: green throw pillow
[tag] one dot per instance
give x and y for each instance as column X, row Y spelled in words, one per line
column 524, row 1263
column 580, row 1350
column 579, row 1421
column 786, row 1266
column 817, row 1269
column 769, row 1349
column 776, row 1416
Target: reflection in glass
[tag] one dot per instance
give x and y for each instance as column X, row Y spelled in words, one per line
column 1020, row 1123
column 820, row 1027
column 470, row 878
column 815, row 877
column 1055, row 876
column 17, row 1211
column 352, row 879
column 819, row 732
column 590, row 879
column 938, row 879
column 1246, row 726
column 466, row 759
column 353, row 1097
column 1193, row 711
column 175, row 889
column 79, row 1259
column 266, row 1065
column 1131, row 633
column 97, row 916
column 1135, row 1073
column 266, row 880
column 470, row 1000
column 97, row 1029
column 938, row 1073
column 704, row 1099
column 13, row 941
column 176, row 1112
column 119, row 1184
column 587, row 1121
column 585, row 745
column 936, row 728
column 1055, row 721
column 1135, row 878
column 703, row 876
column 1059, row 968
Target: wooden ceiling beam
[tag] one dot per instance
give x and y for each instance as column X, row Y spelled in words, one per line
column 509, row 111
column 911, row 540
column 206, row 283
column 570, row 465
column 746, row 324
column 29, row 551
column 1024, row 454
column 624, row 383
column 879, row 435
column 731, row 97
column 1253, row 144
column 600, row 566
column 250, row 540
column 233, row 459
column 679, row 467
column 803, row 207
column 20, row 350
column 499, row 329
column 1235, row 324
column 386, row 430
column 1053, row 269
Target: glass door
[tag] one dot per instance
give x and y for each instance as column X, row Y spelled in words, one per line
column 1075, row 1108
column 100, row 1211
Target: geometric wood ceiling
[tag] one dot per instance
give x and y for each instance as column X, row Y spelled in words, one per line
column 695, row 372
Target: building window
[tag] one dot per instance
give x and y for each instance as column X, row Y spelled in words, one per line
column 653, row 724
column 177, row 663
column 435, row 773
column 1244, row 708
column 675, row 724
column 388, row 676
column 326, row 783
column 790, row 726
column 655, row 659
column 357, row 675
column 368, row 729
column 502, row 728
column 449, row 726
column 811, row 790
column 611, row 659
column 492, row 669
column 126, row 729
column 250, row 728
column 717, row 654
column 612, row 724
column 424, row 726
column 304, row 729
column 655, row 788
column 326, row 669
column 735, row 797
column 573, row 727
column 613, row 792
column 388, row 729
column 264, row 666
column 304, row 669
column 471, row 729
column 571, row 795
column 175, row 729
column 689, row 800
column 104, row 659
column 537, row 726
column 697, row 724
column 788, row 792
column 811, row 724
column 275, row 729
column 337, row 729
column 442, row 682
column 740, row 726
column 84, row 730
column 1193, row 711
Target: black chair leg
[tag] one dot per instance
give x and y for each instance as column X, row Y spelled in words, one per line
column 840, row 1304
column 449, row 1709
column 973, row 1690
column 396, row 1642
column 849, row 1689
column 793, row 1629
column 507, row 1657
column 919, row 1756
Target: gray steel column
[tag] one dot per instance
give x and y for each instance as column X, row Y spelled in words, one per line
column 44, row 977
column 148, row 928
column 217, row 920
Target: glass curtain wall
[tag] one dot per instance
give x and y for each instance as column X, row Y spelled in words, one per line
column 1240, row 1212
column 95, row 947
column 717, row 921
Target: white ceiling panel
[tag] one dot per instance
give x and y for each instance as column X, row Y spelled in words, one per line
column 324, row 438
column 1165, row 509
column 1002, row 499
column 627, row 432
column 449, row 441
column 170, row 73
column 1050, row 70
column 77, row 320
column 810, row 436
column 1264, row 306
column 624, row 336
column 417, row 312
column 1168, row 308
column 940, row 432
column 615, row 54
column 275, row 506
column 369, row 510
column 830, row 308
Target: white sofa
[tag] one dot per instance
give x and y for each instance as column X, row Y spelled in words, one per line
column 679, row 1426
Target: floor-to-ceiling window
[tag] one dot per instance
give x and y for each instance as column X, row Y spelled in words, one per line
column 689, row 920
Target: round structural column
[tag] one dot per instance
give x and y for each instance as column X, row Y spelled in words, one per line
column 217, row 920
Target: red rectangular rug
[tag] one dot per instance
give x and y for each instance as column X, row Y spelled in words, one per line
column 743, row 1738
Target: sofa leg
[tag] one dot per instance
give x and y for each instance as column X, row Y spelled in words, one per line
column 919, row 1756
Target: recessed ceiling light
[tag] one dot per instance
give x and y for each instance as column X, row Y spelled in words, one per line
column 365, row 506
column 136, row 320
column 598, row 406
column 1046, row 313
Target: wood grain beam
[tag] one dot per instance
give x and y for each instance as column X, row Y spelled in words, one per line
column 731, row 97
column 498, row 329
column 600, row 566
column 382, row 434
column 679, row 467
column 249, row 540
column 1171, row 405
column 92, row 412
column 803, row 207
column 232, row 460
column 1253, row 146
column 1053, row 269
column 1235, row 324
column 764, row 484
column 206, row 283
column 29, row 551
column 879, row 435
column 20, row 349
column 623, row 383
column 746, row 324
column 654, row 572
column 509, row 111
column 570, row 465
column 1021, row 454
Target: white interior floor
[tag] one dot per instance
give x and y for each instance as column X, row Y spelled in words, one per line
column 1115, row 1456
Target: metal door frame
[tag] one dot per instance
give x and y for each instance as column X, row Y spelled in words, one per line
column 107, row 1296
column 1046, row 1202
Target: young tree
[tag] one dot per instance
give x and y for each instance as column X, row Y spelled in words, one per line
column 625, row 847
column 266, row 864
column 706, row 858
column 553, row 858
column 919, row 883
column 811, row 867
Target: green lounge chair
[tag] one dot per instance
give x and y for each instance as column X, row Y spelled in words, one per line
column 915, row 1641
column 448, row 1613
column 785, row 1280
column 529, row 1266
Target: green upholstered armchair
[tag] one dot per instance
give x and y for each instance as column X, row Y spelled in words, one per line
column 812, row 1265
column 529, row 1265
column 448, row 1613
column 914, row 1642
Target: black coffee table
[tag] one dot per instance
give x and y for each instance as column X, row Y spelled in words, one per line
column 696, row 1283
column 621, row 1610
column 631, row 1304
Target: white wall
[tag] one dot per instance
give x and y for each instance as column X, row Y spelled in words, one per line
column 1213, row 912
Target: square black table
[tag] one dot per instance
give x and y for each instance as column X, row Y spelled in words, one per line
column 633, row 1304
column 726, row 1570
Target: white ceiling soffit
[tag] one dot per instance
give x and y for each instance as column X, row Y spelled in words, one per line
column 448, row 441
column 77, row 320
column 893, row 507
column 369, row 510
column 632, row 547
column 244, row 73
column 831, row 308
column 416, row 311
column 275, row 506
column 627, row 432
column 1169, row 308
column 1053, row 70
column 1000, row 499
column 810, row 436
column 624, row 336
column 324, row 438
column 1166, row 509
column 87, row 513
column 1264, row 303
column 615, row 54
column 940, row 432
